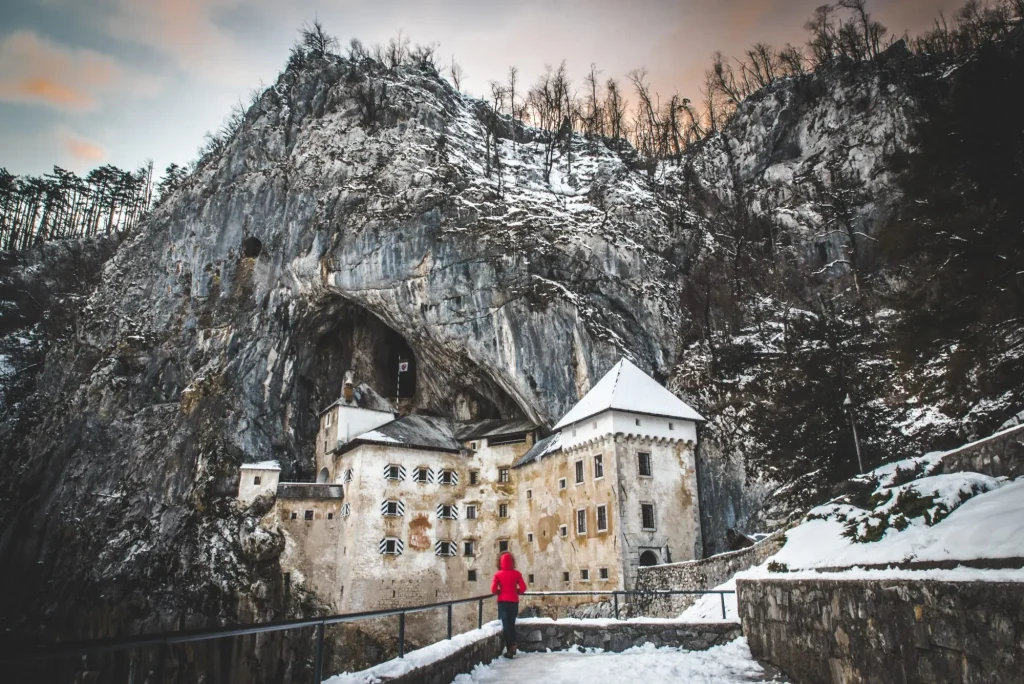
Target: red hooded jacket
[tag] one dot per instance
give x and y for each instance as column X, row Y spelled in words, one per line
column 508, row 582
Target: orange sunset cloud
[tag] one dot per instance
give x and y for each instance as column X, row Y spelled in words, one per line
column 80, row 149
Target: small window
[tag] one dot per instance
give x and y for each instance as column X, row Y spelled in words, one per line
column 445, row 547
column 647, row 516
column 603, row 573
column 561, row 483
column 579, row 472
column 585, row 574
column 346, row 510
column 598, row 466
column 474, row 477
column 472, row 445
column 256, row 480
column 348, row 476
column 471, row 576
column 502, row 474
column 574, row 432
column 325, row 445
column 529, row 578
column 502, row 545
column 470, row 511
column 422, row 475
column 602, row 518
column 594, row 425
column 503, row 510
column 392, row 509
column 563, row 531
column 294, row 515
column 469, row 548
column 671, row 425
column 529, row 493
column 529, row 537
column 581, row 521
column 447, row 512
column 638, row 421
column 565, row 576
column 309, row 515
column 328, row 421
column 448, row 477
column 645, row 464
column 395, row 473
column 391, row 546
column 330, row 515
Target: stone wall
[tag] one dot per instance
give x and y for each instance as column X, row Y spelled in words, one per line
column 1001, row 455
column 697, row 575
column 446, row 669
column 886, row 631
column 541, row 634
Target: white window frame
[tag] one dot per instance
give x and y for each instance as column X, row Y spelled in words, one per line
column 394, row 472
column 471, row 511
column 602, row 507
column 581, row 530
column 579, row 473
column 562, row 483
column 469, row 545
column 529, row 493
column 448, row 477
column 428, row 475
column 328, row 420
column 563, row 531
column 507, row 544
column 504, row 475
column 602, row 573
column 584, row 574
column 397, row 546
column 256, row 479
column 654, row 516
column 392, row 508
column 598, row 466
column 639, row 464
column 503, row 510
column 446, row 547
column 452, row 512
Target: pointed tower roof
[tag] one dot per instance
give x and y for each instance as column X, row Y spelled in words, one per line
column 627, row 388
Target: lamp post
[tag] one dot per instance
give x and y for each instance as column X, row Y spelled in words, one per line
column 848, row 405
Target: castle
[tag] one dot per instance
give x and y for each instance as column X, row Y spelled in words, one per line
column 417, row 509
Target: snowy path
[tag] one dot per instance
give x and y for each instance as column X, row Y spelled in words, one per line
column 728, row 664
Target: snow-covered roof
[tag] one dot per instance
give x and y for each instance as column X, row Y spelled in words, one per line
column 414, row 432
column 494, row 428
column 262, row 465
column 627, row 388
column 544, row 447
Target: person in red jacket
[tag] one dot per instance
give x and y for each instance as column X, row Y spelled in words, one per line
column 508, row 584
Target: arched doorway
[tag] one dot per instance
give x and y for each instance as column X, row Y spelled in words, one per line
column 648, row 558
column 323, row 476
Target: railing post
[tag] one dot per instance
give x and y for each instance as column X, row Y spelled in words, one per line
column 401, row 635
column 449, row 621
column 615, row 596
column 480, row 615
column 721, row 597
column 318, row 665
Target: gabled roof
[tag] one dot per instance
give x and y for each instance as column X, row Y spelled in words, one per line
column 627, row 388
column 544, row 447
column 494, row 428
column 364, row 397
column 412, row 432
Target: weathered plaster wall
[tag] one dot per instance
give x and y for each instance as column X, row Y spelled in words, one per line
column 706, row 573
column 886, row 631
column 311, row 556
column 248, row 490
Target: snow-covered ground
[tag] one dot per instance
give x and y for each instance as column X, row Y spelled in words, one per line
column 727, row 664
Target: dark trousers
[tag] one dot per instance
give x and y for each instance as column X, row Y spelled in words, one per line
column 507, row 612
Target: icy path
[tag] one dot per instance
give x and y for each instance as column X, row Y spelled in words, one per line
column 728, row 664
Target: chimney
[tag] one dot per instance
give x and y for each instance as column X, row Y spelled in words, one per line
column 348, row 389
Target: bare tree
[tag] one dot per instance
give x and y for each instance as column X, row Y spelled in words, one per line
column 614, row 109
column 457, row 74
column 316, row 40
column 512, row 73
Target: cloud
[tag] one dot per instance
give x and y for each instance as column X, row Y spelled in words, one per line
column 81, row 150
column 35, row 70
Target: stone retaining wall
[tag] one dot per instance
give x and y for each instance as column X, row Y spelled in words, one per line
column 697, row 575
column 541, row 635
column 443, row 671
column 1001, row 455
column 886, row 631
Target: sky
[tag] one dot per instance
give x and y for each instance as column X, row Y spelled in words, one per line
column 91, row 82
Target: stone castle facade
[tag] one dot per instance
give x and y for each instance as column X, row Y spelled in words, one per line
column 417, row 509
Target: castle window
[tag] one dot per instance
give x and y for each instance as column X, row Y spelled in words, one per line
column 595, row 425
column 644, row 461
column 447, row 512
column 294, row 515
column 585, row 574
column 472, row 445
column 529, row 493
column 474, row 477
column 598, row 467
column 502, row 545
column 395, row 473
column 309, row 515
column 346, row 510
column 579, row 472
column 470, row 511
column 529, row 578
column 348, row 476
column 422, row 475
column 561, row 483
column 471, row 576
column 469, row 548
column 565, row 576
column 563, row 531
column 392, row 509
column 581, row 521
column 448, row 477
column 671, row 425
column 256, row 480
column 330, row 515
column 647, row 516
column 445, row 547
column 602, row 518
column 529, row 537
column 391, row 546
column 638, row 421
column 502, row 474
column 327, row 422
column 603, row 573
column 503, row 510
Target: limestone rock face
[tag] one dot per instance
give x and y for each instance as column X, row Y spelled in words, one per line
column 330, row 235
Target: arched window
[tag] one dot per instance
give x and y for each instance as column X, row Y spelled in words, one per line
column 322, row 477
column 648, row 558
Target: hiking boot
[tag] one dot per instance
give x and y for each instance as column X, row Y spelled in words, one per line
column 512, row 650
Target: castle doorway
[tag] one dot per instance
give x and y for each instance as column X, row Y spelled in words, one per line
column 322, row 477
column 648, row 558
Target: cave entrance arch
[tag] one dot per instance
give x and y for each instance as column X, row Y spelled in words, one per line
column 322, row 477
column 648, row 558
